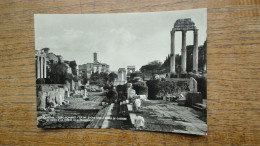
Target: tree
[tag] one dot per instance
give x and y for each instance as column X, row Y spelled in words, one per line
column 84, row 78
column 189, row 58
column 60, row 74
column 166, row 64
column 202, row 56
column 73, row 66
column 156, row 63
column 136, row 74
column 102, row 79
column 152, row 67
column 111, row 77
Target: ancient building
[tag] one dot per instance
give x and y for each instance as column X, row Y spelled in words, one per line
column 122, row 77
column 121, row 74
column 184, row 25
column 130, row 69
column 94, row 67
column 40, row 64
column 95, row 58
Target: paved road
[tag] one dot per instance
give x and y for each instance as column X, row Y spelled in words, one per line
column 169, row 117
column 95, row 98
column 77, row 107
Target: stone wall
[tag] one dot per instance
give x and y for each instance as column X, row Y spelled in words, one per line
column 193, row 97
column 50, row 95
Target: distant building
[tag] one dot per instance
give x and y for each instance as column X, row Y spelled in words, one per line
column 94, row 67
column 122, row 78
column 130, row 69
column 121, row 74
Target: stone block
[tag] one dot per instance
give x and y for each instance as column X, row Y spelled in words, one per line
column 181, row 100
column 139, row 122
column 131, row 93
column 41, row 100
column 193, row 98
column 51, row 99
column 137, row 105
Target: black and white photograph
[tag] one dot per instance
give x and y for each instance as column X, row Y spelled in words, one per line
column 133, row 71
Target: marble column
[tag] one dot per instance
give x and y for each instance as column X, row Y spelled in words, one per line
column 122, row 76
column 195, row 51
column 172, row 56
column 41, row 59
column 183, row 52
column 85, row 92
column 45, row 68
column 38, row 68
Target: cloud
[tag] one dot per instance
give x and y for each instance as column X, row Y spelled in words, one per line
column 119, row 39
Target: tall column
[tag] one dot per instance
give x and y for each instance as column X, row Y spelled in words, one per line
column 45, row 71
column 41, row 67
column 195, row 51
column 172, row 56
column 122, row 76
column 183, row 52
column 38, row 68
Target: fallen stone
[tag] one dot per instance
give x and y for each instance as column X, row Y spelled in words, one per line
column 139, row 122
column 137, row 105
column 51, row 99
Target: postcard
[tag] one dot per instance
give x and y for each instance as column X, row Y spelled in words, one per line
column 134, row 71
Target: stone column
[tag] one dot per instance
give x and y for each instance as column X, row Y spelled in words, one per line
column 125, row 76
column 195, row 51
column 172, row 56
column 38, row 68
column 122, row 76
column 41, row 67
column 44, row 67
column 85, row 92
column 183, row 52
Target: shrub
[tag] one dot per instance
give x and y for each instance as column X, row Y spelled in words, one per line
column 122, row 90
column 140, row 88
column 107, row 87
column 112, row 96
column 159, row 89
column 153, row 88
column 202, row 86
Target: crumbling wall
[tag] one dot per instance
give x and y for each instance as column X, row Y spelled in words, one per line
column 49, row 95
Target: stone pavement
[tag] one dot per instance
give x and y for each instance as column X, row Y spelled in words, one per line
column 80, row 104
column 76, row 107
column 169, row 117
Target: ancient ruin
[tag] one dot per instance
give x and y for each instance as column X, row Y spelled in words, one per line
column 184, row 25
column 40, row 59
column 94, row 67
column 130, row 69
column 141, row 91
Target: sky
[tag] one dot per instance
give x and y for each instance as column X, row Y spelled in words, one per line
column 120, row 39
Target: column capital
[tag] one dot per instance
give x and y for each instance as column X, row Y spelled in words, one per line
column 195, row 30
column 172, row 32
